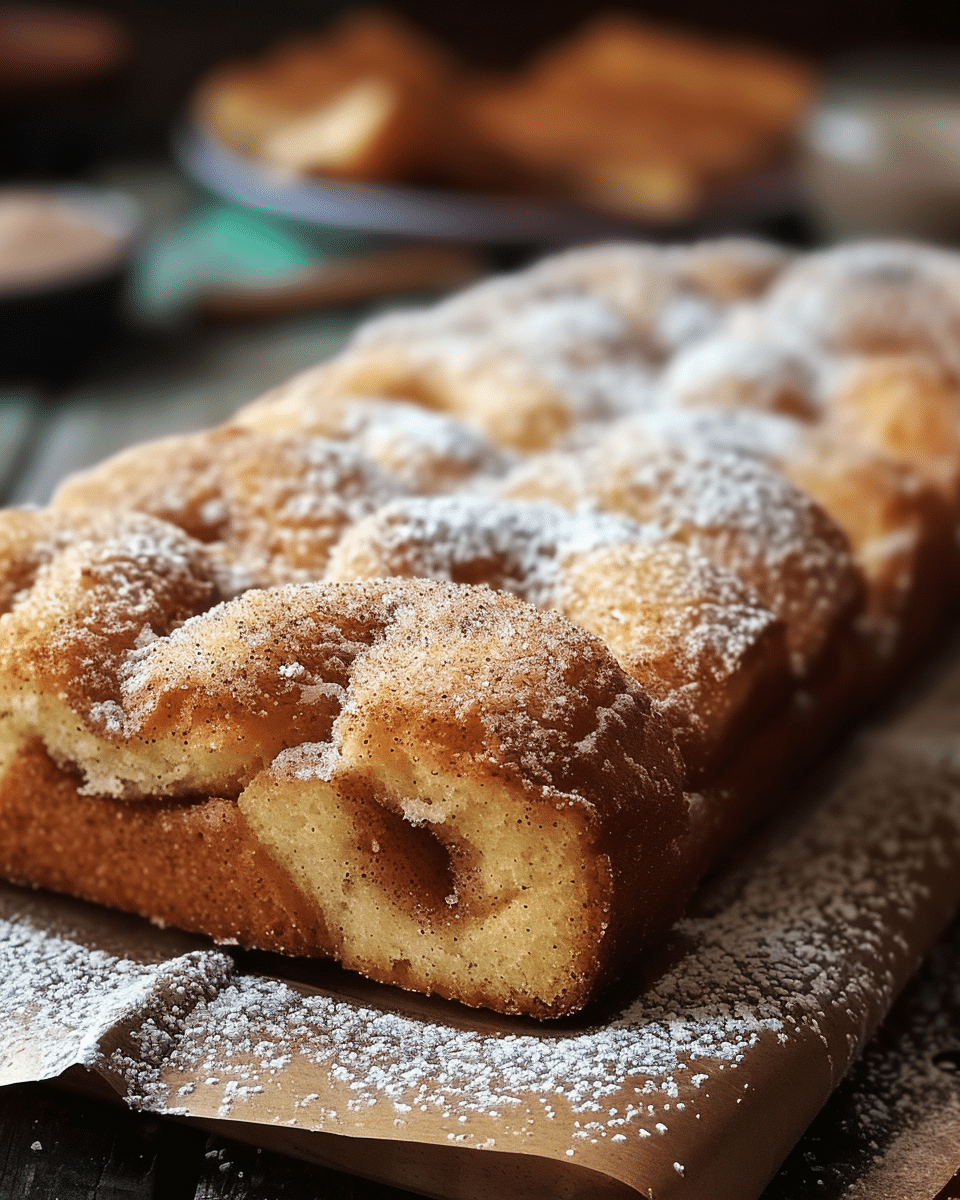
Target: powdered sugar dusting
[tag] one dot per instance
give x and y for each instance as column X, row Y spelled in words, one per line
column 729, row 506
column 567, row 346
column 62, row 994
column 428, row 451
column 891, row 1127
column 869, row 298
column 799, row 946
column 740, row 371
column 514, row 546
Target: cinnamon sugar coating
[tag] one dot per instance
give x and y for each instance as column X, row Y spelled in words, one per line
column 707, row 652
column 428, row 451
column 523, row 369
column 82, row 591
column 669, row 296
column 906, row 407
column 536, row 764
column 896, row 523
column 432, row 637
column 729, row 507
column 528, row 358
column 714, row 660
column 412, row 755
column 872, row 298
column 270, row 508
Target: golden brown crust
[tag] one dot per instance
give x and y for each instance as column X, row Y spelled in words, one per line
column 906, row 407
column 715, row 661
column 88, row 586
column 269, row 507
column 732, row 508
column 704, row 648
column 539, row 767
column 367, row 100
column 193, row 864
column 343, row 717
column 481, row 798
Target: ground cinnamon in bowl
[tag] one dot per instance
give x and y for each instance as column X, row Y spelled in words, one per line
column 46, row 239
column 63, row 258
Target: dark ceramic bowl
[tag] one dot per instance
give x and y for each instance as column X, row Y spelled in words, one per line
column 50, row 327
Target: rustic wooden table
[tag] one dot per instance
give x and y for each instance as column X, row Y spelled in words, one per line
column 54, row 1144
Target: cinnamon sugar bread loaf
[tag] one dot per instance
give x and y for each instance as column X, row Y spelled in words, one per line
column 460, row 656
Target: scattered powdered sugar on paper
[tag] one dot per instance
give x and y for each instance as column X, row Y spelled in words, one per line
column 913, row 1082
column 804, row 943
column 892, row 1126
column 59, row 996
column 381, row 1056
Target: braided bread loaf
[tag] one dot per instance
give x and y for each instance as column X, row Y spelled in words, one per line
column 459, row 657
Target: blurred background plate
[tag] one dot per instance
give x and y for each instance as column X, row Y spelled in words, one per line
column 461, row 216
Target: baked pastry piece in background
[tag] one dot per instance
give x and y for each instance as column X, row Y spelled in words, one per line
column 370, row 99
column 623, row 114
column 365, row 101
column 643, row 120
column 476, row 644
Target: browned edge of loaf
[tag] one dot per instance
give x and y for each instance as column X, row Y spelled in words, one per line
column 193, row 864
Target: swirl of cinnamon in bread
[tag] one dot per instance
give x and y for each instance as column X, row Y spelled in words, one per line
column 493, row 746
column 416, row 756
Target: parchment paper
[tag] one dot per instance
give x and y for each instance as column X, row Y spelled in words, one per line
column 693, row 1082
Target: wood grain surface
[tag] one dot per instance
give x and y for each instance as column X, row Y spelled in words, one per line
column 57, row 1145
